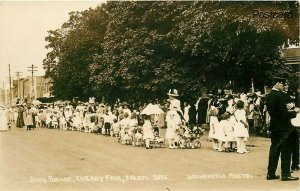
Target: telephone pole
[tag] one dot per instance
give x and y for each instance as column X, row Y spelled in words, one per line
column 10, row 99
column 18, row 78
column 32, row 70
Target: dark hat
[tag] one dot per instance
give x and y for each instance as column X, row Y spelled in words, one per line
column 279, row 80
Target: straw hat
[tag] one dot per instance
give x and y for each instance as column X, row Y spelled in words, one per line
column 173, row 92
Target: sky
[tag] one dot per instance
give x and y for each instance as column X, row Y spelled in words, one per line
column 23, row 28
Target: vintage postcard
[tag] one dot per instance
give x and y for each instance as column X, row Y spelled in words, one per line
column 149, row 95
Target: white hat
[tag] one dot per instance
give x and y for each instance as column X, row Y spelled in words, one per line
column 91, row 100
column 173, row 92
column 258, row 93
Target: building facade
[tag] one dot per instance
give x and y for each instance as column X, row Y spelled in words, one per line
column 39, row 87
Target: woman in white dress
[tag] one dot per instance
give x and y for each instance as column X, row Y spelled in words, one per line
column 173, row 121
column 213, row 123
column 4, row 124
column 28, row 118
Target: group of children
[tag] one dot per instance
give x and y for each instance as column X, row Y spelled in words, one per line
column 229, row 131
column 127, row 126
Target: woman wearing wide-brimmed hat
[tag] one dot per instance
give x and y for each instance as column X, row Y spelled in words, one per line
column 173, row 117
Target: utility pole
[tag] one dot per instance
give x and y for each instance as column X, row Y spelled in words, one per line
column 10, row 99
column 32, row 70
column 18, row 78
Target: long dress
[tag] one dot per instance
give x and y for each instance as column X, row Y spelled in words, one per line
column 3, row 120
column 20, row 119
column 173, row 121
column 28, row 119
column 228, row 130
column 239, row 128
column 202, row 110
column 213, row 123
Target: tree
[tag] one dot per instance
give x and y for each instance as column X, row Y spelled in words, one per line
column 139, row 50
column 73, row 47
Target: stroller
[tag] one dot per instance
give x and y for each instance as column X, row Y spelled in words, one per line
column 188, row 138
column 157, row 141
column 137, row 137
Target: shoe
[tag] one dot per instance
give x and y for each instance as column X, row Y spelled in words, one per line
column 295, row 169
column 289, row 178
column 147, row 148
column 273, row 177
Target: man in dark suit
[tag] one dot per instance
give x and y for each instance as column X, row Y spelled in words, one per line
column 281, row 129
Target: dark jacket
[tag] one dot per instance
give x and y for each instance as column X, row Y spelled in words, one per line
column 280, row 116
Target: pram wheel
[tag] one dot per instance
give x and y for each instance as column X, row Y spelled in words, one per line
column 197, row 144
column 191, row 145
column 182, row 144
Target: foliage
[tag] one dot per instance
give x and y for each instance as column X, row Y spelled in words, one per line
column 139, row 50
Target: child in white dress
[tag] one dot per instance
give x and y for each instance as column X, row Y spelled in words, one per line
column 55, row 120
column 148, row 134
column 115, row 128
column 228, row 132
column 221, row 131
column 241, row 128
column 213, row 122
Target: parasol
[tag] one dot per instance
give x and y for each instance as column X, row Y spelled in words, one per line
column 36, row 102
column 151, row 109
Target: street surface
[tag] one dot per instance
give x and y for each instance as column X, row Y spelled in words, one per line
column 46, row 159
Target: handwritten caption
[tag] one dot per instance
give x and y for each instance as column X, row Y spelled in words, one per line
column 105, row 178
column 219, row 176
column 131, row 178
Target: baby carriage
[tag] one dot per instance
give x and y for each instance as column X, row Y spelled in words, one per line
column 126, row 135
column 189, row 138
column 126, row 139
column 115, row 131
column 157, row 141
column 137, row 137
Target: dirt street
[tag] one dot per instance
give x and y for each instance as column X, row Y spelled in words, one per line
column 46, row 159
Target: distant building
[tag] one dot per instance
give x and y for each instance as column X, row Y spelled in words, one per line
column 291, row 55
column 39, row 88
column 2, row 97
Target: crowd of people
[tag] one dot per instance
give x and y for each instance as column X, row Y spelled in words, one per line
column 231, row 118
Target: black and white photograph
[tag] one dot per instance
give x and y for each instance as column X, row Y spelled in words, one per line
column 149, row 95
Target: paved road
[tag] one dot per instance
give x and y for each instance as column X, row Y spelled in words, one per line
column 44, row 159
